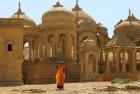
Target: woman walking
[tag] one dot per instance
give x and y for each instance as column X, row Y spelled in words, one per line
column 60, row 76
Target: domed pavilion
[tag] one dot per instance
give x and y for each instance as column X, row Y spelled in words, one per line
column 122, row 51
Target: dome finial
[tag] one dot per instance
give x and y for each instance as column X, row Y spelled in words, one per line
column 57, row 4
column 19, row 6
column 129, row 12
column 77, row 7
column 77, row 2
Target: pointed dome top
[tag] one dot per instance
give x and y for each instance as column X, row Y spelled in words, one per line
column 21, row 15
column 131, row 17
column 56, row 10
column 131, row 20
column 57, row 4
column 130, row 27
column 58, row 7
column 80, row 14
column 19, row 9
column 77, row 8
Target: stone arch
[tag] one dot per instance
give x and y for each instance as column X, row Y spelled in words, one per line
column 92, row 62
column 73, row 46
column 9, row 47
column 102, row 64
column 129, row 60
column 84, row 35
column 137, row 60
column 26, row 49
column 111, row 61
column 110, row 56
column 123, row 60
column 120, row 60
column 51, row 45
column 62, row 44
column 82, row 61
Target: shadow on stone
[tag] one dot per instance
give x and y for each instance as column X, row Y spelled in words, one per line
column 33, row 91
column 110, row 88
column 130, row 87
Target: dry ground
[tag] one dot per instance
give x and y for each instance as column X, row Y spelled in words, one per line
column 74, row 88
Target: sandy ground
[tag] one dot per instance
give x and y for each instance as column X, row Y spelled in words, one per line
column 72, row 88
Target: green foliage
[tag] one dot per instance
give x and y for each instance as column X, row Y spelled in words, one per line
column 125, row 81
column 121, row 81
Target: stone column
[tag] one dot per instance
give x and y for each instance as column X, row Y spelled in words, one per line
column 69, row 45
column 57, row 45
column 53, row 48
column 101, row 56
column 30, row 50
column 35, row 49
column 96, row 64
column 45, row 40
column 46, row 43
column 86, row 62
column 107, row 61
column 48, row 46
column 134, row 60
column 117, row 60
column 75, row 43
column 41, row 49
column 123, row 62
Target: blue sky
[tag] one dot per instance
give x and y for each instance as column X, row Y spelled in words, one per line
column 108, row 12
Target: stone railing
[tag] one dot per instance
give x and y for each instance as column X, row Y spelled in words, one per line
column 10, row 22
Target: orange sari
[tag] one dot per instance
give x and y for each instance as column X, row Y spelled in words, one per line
column 60, row 76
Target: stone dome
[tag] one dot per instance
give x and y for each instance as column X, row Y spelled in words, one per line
column 20, row 15
column 81, row 14
column 88, row 45
column 83, row 20
column 87, row 25
column 129, row 27
column 57, row 14
column 58, row 17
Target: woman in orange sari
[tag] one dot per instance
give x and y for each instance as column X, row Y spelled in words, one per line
column 60, row 76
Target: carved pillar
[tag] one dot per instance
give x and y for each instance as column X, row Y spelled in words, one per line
column 124, row 61
column 48, row 45
column 107, row 61
column 117, row 61
column 41, row 49
column 30, row 50
column 35, row 49
column 53, row 47
column 86, row 62
column 96, row 64
column 45, row 39
column 134, row 61
column 75, row 43
column 101, row 56
column 57, row 45
column 69, row 45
